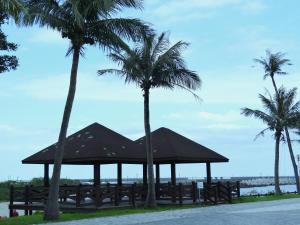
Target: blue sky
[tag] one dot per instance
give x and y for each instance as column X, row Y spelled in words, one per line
column 225, row 35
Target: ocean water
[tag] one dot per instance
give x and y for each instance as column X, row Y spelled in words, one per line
column 267, row 189
column 4, row 209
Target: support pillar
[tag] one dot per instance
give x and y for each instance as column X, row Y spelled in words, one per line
column 157, row 183
column 145, row 173
column 157, row 173
column 173, row 173
column 119, row 174
column 97, row 180
column 46, row 175
column 208, row 173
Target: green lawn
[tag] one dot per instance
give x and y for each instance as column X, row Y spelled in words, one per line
column 245, row 199
column 38, row 218
column 3, row 193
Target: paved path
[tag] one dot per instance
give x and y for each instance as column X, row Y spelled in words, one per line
column 283, row 212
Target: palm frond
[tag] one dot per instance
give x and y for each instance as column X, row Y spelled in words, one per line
column 269, row 104
column 261, row 133
column 12, row 8
column 267, row 119
column 151, row 63
column 88, row 22
column 110, row 71
column 127, row 28
column 273, row 63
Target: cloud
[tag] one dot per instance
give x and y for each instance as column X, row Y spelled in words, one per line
column 13, row 131
column 92, row 88
column 254, row 6
column 179, row 11
column 173, row 6
column 47, row 36
column 230, row 116
column 231, row 120
column 222, row 126
column 254, row 40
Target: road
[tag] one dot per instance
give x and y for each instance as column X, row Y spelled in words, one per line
column 283, row 212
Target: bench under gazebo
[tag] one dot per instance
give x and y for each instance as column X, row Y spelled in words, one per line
column 97, row 145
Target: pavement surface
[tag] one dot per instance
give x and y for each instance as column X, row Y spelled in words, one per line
column 282, row 212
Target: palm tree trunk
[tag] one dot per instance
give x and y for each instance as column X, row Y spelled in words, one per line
column 276, row 165
column 52, row 207
column 293, row 159
column 278, row 136
column 150, row 200
column 289, row 145
column 274, row 85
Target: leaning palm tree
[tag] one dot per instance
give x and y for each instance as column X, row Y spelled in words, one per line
column 82, row 23
column 153, row 63
column 290, row 118
column 271, row 117
column 273, row 64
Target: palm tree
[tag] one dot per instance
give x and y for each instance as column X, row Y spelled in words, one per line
column 281, row 113
column 152, row 63
column 82, row 23
column 290, row 119
column 273, row 64
column 271, row 118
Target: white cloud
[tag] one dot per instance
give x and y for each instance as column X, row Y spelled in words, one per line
column 13, row 131
column 226, row 117
column 254, row 40
column 91, row 87
column 230, row 116
column 222, row 126
column 173, row 11
column 47, row 36
column 254, row 6
column 204, row 120
column 230, row 120
column 173, row 6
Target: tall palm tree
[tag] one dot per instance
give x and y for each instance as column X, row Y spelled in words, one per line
column 290, row 119
column 82, row 23
column 270, row 117
column 153, row 63
column 273, row 64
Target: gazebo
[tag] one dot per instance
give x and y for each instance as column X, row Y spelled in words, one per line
column 172, row 148
column 98, row 145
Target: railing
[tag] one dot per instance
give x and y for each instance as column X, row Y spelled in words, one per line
column 86, row 197
column 221, row 192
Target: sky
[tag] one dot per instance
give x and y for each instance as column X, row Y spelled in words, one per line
column 224, row 37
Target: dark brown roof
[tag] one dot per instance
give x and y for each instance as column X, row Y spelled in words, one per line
column 169, row 146
column 95, row 143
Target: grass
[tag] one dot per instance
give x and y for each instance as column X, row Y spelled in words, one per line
column 3, row 194
column 262, row 198
column 4, row 186
column 38, row 218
